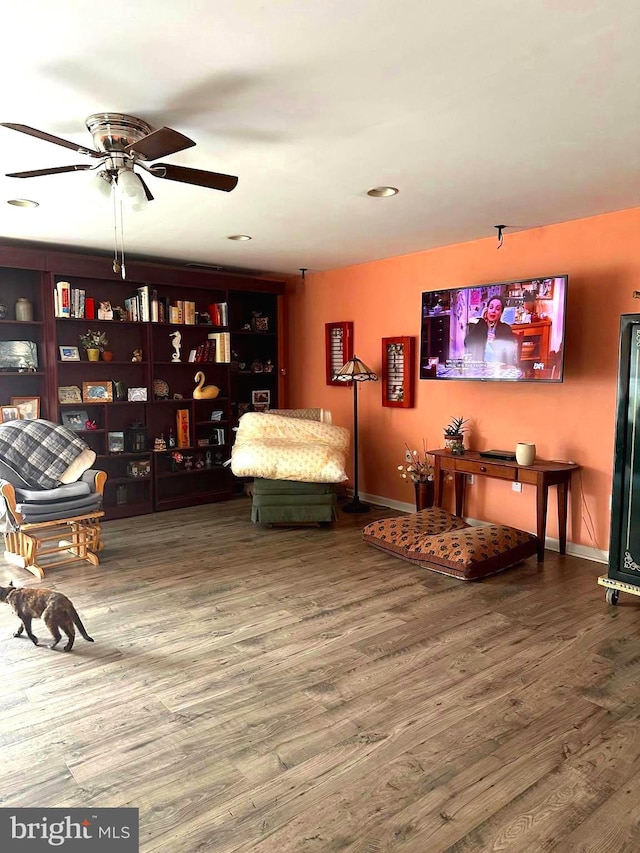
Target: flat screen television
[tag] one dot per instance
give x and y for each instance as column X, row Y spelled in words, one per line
column 509, row 331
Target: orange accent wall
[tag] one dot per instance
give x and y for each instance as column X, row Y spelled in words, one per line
column 571, row 420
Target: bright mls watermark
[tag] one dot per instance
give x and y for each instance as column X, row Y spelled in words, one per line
column 69, row 830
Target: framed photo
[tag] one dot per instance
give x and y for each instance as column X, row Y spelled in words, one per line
column 137, row 395
column 29, row 407
column 192, row 355
column 115, row 442
column 338, row 350
column 9, row 413
column 261, row 398
column 69, row 394
column 97, row 392
column 74, row 418
column 69, row 353
column 398, row 372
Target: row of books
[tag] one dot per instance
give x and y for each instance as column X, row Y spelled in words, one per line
column 144, row 306
column 72, row 302
column 222, row 346
column 219, row 313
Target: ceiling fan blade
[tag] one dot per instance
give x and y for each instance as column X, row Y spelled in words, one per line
column 56, row 170
column 146, row 189
column 160, row 143
column 49, row 137
column 211, row 180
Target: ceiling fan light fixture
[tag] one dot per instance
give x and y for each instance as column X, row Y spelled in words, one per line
column 240, row 237
column 131, row 189
column 382, row 192
column 101, row 185
column 23, row 202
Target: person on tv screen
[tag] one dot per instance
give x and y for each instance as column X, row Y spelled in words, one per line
column 489, row 339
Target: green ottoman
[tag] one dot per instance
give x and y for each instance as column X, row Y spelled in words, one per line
column 291, row 502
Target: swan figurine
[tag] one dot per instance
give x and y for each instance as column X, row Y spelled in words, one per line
column 202, row 391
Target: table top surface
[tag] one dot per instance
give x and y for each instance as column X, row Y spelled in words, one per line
column 538, row 464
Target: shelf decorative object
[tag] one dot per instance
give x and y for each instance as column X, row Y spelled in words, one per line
column 338, row 348
column 398, row 372
column 94, row 343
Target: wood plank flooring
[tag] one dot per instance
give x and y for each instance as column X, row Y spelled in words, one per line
column 290, row 690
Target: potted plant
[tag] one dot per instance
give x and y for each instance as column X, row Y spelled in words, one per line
column 419, row 471
column 94, row 343
column 454, row 435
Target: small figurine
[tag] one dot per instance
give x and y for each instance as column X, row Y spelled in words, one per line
column 176, row 338
column 257, row 366
column 208, row 461
column 268, row 366
column 90, row 425
column 137, row 355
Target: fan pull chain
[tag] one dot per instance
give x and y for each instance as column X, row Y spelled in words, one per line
column 123, row 271
column 116, row 264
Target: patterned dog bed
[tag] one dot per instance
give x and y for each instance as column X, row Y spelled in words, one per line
column 437, row 540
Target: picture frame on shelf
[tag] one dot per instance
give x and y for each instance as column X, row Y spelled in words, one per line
column 29, row 407
column 115, row 442
column 9, row 413
column 69, row 394
column 69, row 353
column 137, row 395
column 74, row 419
column 97, row 392
column 261, row 398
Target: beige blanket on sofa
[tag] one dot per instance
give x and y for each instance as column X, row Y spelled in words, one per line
column 282, row 448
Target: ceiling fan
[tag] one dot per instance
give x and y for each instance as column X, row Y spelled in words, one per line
column 122, row 142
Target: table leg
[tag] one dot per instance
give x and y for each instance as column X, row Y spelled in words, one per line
column 542, row 497
column 459, row 482
column 563, row 495
column 438, row 484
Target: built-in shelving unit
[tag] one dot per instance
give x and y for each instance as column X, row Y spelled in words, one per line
column 149, row 356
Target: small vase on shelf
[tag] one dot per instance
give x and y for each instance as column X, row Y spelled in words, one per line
column 24, row 310
column 93, row 354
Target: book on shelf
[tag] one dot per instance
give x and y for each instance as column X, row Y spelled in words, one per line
column 144, row 303
column 189, row 313
column 182, row 427
column 219, row 314
column 62, row 299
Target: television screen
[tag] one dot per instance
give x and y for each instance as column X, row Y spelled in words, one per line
column 509, row 331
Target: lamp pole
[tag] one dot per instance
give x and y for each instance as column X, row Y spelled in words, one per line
column 356, row 504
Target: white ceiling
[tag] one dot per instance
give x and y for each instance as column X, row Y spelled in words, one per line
column 524, row 112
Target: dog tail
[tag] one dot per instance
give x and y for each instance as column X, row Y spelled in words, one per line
column 80, row 626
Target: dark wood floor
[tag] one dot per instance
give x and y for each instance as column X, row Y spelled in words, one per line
column 257, row 689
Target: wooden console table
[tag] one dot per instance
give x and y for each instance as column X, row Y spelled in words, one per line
column 541, row 474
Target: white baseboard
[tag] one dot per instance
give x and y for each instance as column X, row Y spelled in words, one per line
column 583, row 551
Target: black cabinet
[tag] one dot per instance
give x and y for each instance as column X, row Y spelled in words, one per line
column 624, row 546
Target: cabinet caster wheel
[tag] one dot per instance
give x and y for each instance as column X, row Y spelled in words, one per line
column 612, row 596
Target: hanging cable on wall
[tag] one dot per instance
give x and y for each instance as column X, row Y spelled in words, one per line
column 500, row 229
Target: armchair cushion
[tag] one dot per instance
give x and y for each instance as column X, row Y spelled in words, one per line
column 40, row 452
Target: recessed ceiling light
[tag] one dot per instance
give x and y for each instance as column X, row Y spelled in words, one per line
column 239, row 237
column 383, row 192
column 23, row 202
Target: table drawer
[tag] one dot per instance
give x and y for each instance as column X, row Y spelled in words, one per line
column 501, row 472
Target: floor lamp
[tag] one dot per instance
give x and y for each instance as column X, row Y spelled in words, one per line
column 355, row 371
